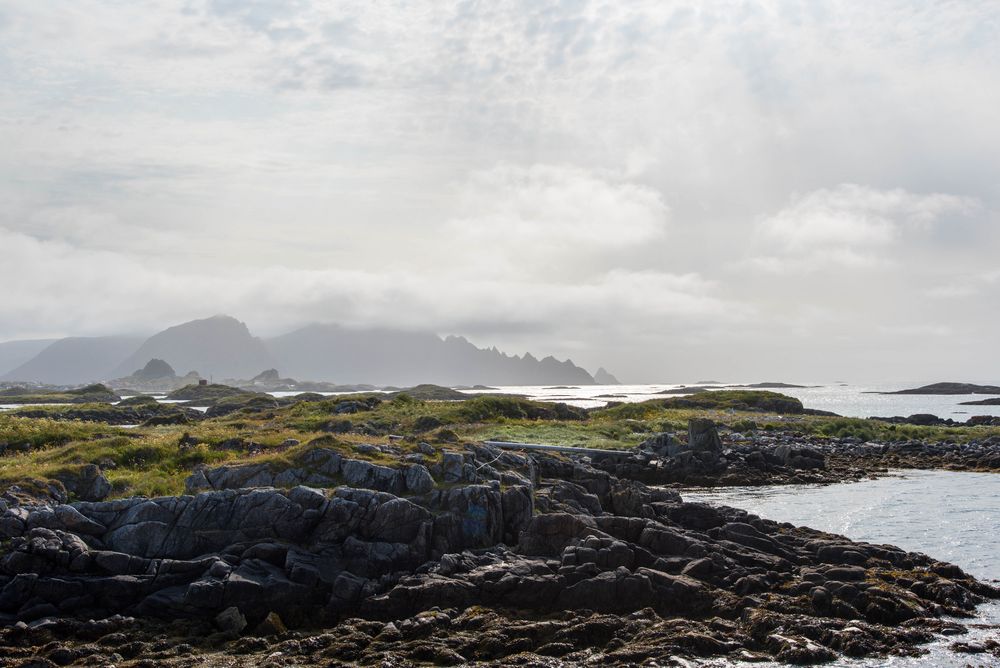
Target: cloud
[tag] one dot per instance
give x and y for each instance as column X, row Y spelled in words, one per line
column 849, row 225
column 554, row 219
column 53, row 281
column 963, row 287
column 620, row 180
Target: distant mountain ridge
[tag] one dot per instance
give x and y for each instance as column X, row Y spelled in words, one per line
column 75, row 360
column 15, row 353
column 392, row 357
column 222, row 347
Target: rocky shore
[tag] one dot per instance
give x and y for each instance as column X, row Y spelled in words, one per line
column 709, row 459
column 468, row 555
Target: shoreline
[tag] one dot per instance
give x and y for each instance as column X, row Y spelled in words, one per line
column 602, row 566
column 367, row 530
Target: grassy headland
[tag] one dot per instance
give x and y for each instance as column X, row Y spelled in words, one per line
column 154, row 459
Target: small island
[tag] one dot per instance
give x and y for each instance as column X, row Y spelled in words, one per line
column 950, row 388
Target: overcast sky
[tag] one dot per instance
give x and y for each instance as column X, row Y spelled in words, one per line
column 742, row 190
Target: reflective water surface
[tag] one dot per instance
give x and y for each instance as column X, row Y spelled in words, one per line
column 951, row 516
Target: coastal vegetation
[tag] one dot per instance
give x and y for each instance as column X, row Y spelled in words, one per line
column 155, row 457
column 28, row 395
column 253, row 524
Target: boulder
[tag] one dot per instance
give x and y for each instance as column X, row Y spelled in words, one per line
column 86, row 484
column 418, row 479
column 271, row 626
column 662, row 445
column 703, row 436
column 231, row 621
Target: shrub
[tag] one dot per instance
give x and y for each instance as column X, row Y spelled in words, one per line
column 493, row 407
column 849, row 428
column 739, row 400
column 426, row 423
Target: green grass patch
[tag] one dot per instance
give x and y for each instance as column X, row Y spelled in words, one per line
column 150, row 459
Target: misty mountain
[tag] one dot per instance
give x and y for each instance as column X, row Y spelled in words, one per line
column 602, row 377
column 220, row 346
column 75, row 360
column 15, row 353
column 223, row 347
column 392, row 357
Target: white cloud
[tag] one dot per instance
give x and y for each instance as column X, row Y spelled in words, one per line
column 963, row 287
column 52, row 281
column 613, row 178
column 549, row 219
column 851, row 216
column 848, row 225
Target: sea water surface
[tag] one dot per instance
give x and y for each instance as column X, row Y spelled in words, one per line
column 951, row 516
column 848, row 400
column 841, row 398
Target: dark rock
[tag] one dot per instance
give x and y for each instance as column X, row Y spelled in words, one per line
column 231, row 621
column 590, row 562
column 87, row 484
column 271, row 626
column 703, row 436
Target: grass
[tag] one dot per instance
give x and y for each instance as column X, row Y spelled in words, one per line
column 150, row 460
column 739, row 400
column 90, row 393
column 208, row 392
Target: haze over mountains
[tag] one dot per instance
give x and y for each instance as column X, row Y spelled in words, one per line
column 15, row 353
column 222, row 347
column 75, row 359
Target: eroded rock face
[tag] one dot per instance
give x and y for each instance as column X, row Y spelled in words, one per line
column 590, row 554
column 319, row 467
column 704, row 459
column 703, row 436
column 88, row 484
column 765, row 458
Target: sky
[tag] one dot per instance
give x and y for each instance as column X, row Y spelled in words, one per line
column 672, row 190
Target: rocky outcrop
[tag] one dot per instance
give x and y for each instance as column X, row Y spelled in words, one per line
column 84, row 395
column 156, row 377
column 155, row 369
column 950, row 388
column 86, row 484
column 919, row 419
column 318, row 467
column 766, row 458
column 929, row 420
column 584, row 556
column 134, row 411
column 256, row 549
column 704, row 459
column 207, row 392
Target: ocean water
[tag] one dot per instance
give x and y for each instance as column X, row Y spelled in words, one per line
column 847, row 400
column 952, row 516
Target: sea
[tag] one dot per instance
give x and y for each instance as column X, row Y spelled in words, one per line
column 844, row 399
column 841, row 398
column 952, row 516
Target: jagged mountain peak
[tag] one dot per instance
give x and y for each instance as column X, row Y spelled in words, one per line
column 223, row 347
column 603, row 377
column 219, row 346
column 400, row 358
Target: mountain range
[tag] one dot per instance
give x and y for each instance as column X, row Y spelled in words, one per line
column 222, row 347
